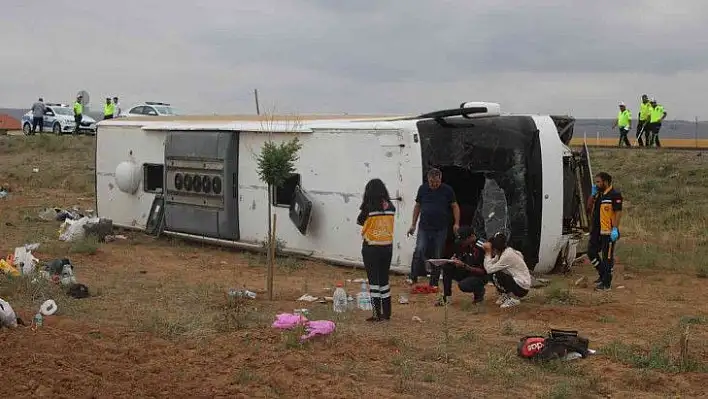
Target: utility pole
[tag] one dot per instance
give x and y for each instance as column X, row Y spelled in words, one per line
column 258, row 108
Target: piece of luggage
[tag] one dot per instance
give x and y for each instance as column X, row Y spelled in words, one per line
column 556, row 345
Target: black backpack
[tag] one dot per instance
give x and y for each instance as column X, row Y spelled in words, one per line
column 78, row 291
column 555, row 346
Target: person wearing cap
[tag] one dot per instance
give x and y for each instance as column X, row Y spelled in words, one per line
column 643, row 119
column 509, row 271
column 465, row 267
column 657, row 116
column 108, row 109
column 78, row 113
column 624, row 124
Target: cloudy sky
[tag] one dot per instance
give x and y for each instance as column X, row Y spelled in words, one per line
column 359, row 56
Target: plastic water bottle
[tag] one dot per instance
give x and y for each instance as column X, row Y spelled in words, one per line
column 38, row 320
column 364, row 297
column 339, row 299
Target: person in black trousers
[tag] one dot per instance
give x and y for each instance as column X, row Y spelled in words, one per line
column 376, row 217
column 466, row 267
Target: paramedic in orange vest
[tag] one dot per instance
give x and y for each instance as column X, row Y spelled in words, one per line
column 606, row 205
column 376, row 217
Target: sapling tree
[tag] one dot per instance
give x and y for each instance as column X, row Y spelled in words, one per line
column 275, row 164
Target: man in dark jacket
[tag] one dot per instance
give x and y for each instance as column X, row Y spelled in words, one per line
column 436, row 206
column 466, row 267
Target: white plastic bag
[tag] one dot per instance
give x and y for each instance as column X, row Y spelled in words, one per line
column 7, row 315
column 73, row 230
column 23, row 256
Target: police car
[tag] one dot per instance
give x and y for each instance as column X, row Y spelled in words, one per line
column 150, row 108
column 59, row 119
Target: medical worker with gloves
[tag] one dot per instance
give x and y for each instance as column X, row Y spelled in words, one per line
column 606, row 205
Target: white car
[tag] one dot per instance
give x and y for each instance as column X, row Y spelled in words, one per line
column 150, row 108
column 59, row 119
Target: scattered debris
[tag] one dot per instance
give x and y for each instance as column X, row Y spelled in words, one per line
column 582, row 282
column 423, row 289
column 23, row 258
column 288, row 321
column 308, row 298
column 78, row 291
column 48, row 308
column 621, row 287
column 8, row 318
column 539, row 282
column 76, row 230
column 35, row 170
column 418, row 319
column 7, row 269
column 3, row 193
column 304, row 312
column 559, row 344
column 111, row 238
column 234, row 293
column 628, row 276
column 403, row 299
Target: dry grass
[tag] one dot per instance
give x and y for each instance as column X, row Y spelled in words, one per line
column 160, row 321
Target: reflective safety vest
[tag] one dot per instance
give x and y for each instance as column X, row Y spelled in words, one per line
column 623, row 118
column 645, row 112
column 109, row 109
column 78, row 108
column 657, row 113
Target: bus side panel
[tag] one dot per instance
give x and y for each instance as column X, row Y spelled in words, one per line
column 333, row 167
column 117, row 144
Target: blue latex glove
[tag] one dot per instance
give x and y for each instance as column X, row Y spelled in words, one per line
column 594, row 190
column 615, row 234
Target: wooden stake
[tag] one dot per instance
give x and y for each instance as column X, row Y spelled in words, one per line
column 684, row 346
column 271, row 260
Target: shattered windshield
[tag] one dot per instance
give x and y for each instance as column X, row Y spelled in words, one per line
column 491, row 215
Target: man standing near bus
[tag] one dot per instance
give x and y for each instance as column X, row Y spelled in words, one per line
column 606, row 203
column 435, row 203
column 624, row 123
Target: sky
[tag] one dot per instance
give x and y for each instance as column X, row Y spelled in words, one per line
column 360, row 57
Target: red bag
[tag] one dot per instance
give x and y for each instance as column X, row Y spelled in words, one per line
column 530, row 347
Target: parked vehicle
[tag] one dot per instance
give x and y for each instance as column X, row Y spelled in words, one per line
column 196, row 178
column 59, row 119
column 150, row 108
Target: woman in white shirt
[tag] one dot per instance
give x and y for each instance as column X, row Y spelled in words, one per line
column 509, row 271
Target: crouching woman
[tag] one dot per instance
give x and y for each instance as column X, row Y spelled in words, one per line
column 376, row 217
column 509, row 272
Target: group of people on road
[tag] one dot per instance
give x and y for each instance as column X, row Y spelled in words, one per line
column 110, row 110
column 651, row 115
column 476, row 261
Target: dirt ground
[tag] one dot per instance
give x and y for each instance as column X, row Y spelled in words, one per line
column 159, row 324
